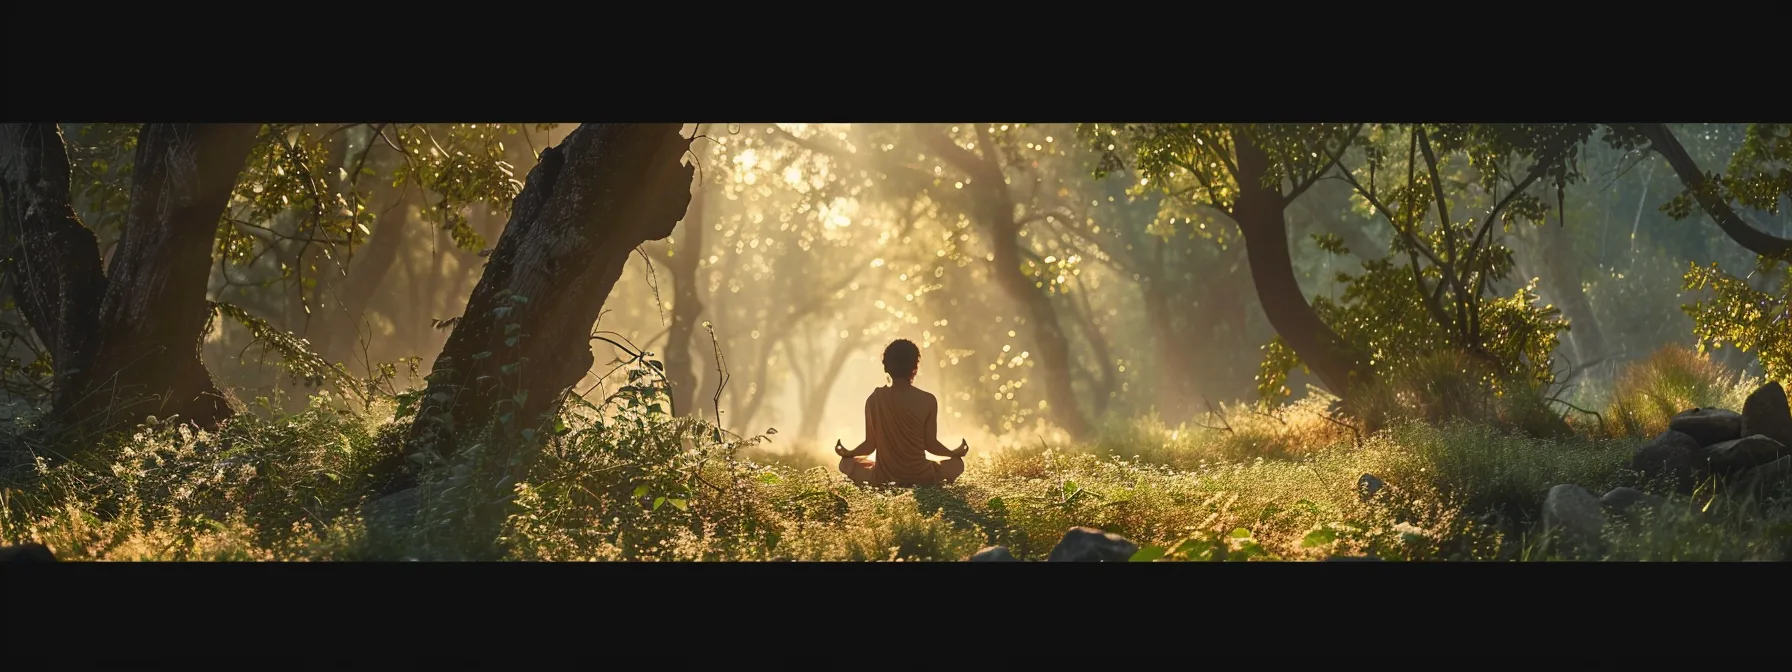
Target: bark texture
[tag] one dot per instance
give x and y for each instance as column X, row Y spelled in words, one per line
column 525, row 337
column 51, row 258
column 1260, row 214
column 126, row 342
column 155, row 309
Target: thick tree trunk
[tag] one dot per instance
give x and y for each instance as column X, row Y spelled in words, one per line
column 52, row 259
column 155, row 308
column 686, row 309
column 142, row 354
column 525, row 337
column 1260, row 215
column 1754, row 240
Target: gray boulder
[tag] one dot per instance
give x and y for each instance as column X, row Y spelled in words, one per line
column 1768, row 479
column 994, row 554
column 1670, row 456
column 1625, row 500
column 1087, row 544
column 1708, row 425
column 1767, row 413
column 1572, row 518
column 1735, row 456
column 1368, row 485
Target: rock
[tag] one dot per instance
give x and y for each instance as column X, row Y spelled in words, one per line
column 1572, row 517
column 1767, row 413
column 1735, row 456
column 27, row 553
column 994, row 554
column 1087, row 544
column 1768, row 479
column 392, row 512
column 1368, row 485
column 1669, row 456
column 1622, row 500
column 1708, row 425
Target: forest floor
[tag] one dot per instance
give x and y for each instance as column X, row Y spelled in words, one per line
column 1271, row 487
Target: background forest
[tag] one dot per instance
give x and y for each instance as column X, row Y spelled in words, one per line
column 1221, row 341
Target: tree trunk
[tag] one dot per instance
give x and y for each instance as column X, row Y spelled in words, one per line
column 1172, row 354
column 52, row 259
column 525, row 337
column 815, row 404
column 686, row 308
column 993, row 208
column 1259, row 212
column 1563, row 278
column 141, row 355
column 1103, row 383
column 1755, row 240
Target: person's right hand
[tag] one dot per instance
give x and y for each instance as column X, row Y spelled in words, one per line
column 840, row 448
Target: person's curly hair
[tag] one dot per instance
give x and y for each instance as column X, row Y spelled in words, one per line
column 902, row 359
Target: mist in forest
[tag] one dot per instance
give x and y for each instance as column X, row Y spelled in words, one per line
column 1047, row 301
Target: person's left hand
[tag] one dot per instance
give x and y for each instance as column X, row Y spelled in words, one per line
column 964, row 448
column 840, row 448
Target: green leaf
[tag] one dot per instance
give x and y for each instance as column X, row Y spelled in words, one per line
column 1240, row 533
column 482, row 355
column 641, row 490
column 512, row 328
column 522, row 397
column 678, row 504
column 1319, row 537
column 528, row 435
column 1070, row 489
column 1147, row 554
column 511, row 342
column 996, row 504
column 657, row 501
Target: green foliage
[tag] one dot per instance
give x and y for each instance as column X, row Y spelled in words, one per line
column 100, row 161
column 1747, row 318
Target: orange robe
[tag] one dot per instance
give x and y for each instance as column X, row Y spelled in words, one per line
column 901, row 427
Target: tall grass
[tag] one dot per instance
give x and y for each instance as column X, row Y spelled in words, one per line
column 652, row 488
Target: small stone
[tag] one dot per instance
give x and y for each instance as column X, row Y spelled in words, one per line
column 1368, row 485
column 1732, row 457
column 1572, row 517
column 1708, row 425
column 1669, row 456
column 1621, row 500
column 1767, row 413
column 1087, row 544
column 993, row 554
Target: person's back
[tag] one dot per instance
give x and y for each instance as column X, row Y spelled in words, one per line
column 901, row 428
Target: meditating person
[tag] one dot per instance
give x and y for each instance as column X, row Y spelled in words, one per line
column 901, row 428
